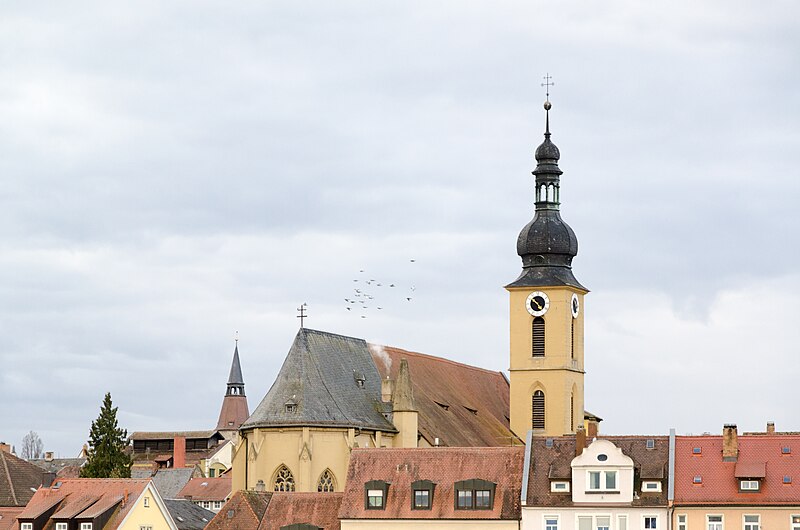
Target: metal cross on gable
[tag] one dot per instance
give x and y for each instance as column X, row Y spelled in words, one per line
column 302, row 316
column 547, row 84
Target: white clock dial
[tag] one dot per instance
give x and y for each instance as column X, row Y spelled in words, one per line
column 575, row 305
column 537, row 303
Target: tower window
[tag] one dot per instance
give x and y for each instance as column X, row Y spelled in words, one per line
column 538, row 337
column 537, row 415
column 572, row 339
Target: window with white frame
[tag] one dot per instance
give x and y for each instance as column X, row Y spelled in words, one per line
column 61, row 526
column 550, row 522
column 752, row 522
column 25, row 526
column 146, row 502
column 714, row 522
column 650, row 522
column 651, row 485
column 748, row 485
column 602, row 481
column 682, row 525
column 86, row 526
column 559, row 486
column 603, row 522
column 217, row 505
column 796, row 522
column 622, row 522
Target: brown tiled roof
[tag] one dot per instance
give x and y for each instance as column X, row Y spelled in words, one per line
column 171, row 435
column 75, row 507
column 234, row 411
column 462, row 405
column 207, row 489
column 118, row 494
column 718, row 482
column 17, row 477
column 318, row 509
column 554, row 462
column 8, row 517
column 244, row 511
column 444, row 466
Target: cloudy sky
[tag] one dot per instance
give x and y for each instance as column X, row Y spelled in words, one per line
column 172, row 172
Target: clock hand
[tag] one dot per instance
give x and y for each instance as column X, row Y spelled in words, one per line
column 537, row 304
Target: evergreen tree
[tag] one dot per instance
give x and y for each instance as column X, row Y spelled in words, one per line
column 107, row 442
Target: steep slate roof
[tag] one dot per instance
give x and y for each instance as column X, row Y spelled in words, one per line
column 187, row 515
column 169, row 482
column 318, row 509
column 554, row 463
column 719, row 485
column 244, row 511
column 444, row 466
column 319, row 376
column 8, row 517
column 17, row 477
column 207, row 489
column 446, row 393
column 72, row 495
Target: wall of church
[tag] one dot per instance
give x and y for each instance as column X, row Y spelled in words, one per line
column 430, row 524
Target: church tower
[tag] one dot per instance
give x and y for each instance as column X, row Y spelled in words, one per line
column 546, row 315
column 234, row 406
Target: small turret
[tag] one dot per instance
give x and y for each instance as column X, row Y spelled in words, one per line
column 234, row 406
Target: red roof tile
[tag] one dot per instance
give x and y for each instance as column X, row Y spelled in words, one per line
column 444, row 466
column 8, row 517
column 719, row 483
column 207, row 489
column 446, row 395
column 244, row 511
column 318, row 509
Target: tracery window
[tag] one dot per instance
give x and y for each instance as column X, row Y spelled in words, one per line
column 326, row 483
column 284, row 480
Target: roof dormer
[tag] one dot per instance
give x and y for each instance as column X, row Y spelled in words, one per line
column 602, row 473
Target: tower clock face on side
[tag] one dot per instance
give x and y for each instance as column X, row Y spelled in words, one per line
column 537, row 303
column 575, row 304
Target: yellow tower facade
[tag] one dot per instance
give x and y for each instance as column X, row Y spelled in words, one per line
column 546, row 314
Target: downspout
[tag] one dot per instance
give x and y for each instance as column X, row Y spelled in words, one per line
column 671, row 479
column 246, row 459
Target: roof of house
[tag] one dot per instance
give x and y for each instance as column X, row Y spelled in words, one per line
column 86, row 498
column 207, row 489
column 760, row 457
column 66, row 467
column 171, row 435
column 244, row 511
column 320, row 377
column 8, row 517
column 444, row 466
column 18, row 479
column 169, row 482
column 461, row 405
column 187, row 515
column 318, row 509
column 551, row 459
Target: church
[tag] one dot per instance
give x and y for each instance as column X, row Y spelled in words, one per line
column 336, row 393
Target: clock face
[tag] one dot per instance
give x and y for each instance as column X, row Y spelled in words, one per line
column 576, row 305
column 537, row 303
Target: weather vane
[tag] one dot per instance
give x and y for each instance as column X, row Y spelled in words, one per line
column 547, row 84
column 302, row 316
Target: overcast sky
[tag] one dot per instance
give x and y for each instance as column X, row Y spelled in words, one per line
column 171, row 172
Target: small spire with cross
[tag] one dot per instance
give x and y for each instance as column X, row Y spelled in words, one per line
column 236, row 336
column 548, row 82
column 302, row 314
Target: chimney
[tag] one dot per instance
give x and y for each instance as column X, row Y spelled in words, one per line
column 386, row 390
column 47, row 479
column 5, row 448
column 48, row 456
column 730, row 443
column 580, row 441
column 770, row 427
column 179, row 452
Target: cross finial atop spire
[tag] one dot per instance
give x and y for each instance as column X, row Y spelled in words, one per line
column 547, row 105
column 236, row 336
column 547, row 84
column 302, row 316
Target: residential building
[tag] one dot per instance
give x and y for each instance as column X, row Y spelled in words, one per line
column 453, row 487
column 60, row 467
column 251, row 510
column 209, row 493
column 187, row 515
column 614, row 483
column 737, row 482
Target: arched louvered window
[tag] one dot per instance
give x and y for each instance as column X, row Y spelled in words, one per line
column 537, row 415
column 572, row 410
column 538, row 337
column 284, row 480
column 572, row 338
column 326, row 482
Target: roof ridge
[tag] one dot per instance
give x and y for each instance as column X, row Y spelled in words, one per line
column 449, row 361
column 8, row 475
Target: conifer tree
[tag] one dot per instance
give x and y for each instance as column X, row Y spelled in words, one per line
column 107, row 442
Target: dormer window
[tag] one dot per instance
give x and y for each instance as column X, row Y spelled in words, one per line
column 290, row 406
column 651, row 486
column 651, row 443
column 375, row 494
column 86, row 526
column 360, row 379
column 602, row 481
column 61, row 526
column 474, row 494
column 25, row 526
column 559, row 486
column 749, row 485
column 422, row 494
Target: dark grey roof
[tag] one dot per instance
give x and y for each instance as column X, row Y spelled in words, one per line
column 187, row 515
column 235, row 377
column 169, row 482
column 54, row 465
column 320, row 378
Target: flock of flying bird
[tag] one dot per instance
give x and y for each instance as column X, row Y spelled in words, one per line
column 369, row 293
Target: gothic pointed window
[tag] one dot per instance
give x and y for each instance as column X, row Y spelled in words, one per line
column 326, row 482
column 538, row 337
column 284, row 480
column 537, row 415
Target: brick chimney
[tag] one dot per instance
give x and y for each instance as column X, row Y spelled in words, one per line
column 730, row 443
column 580, row 441
column 5, row 448
column 179, row 452
column 48, row 456
column 770, row 427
